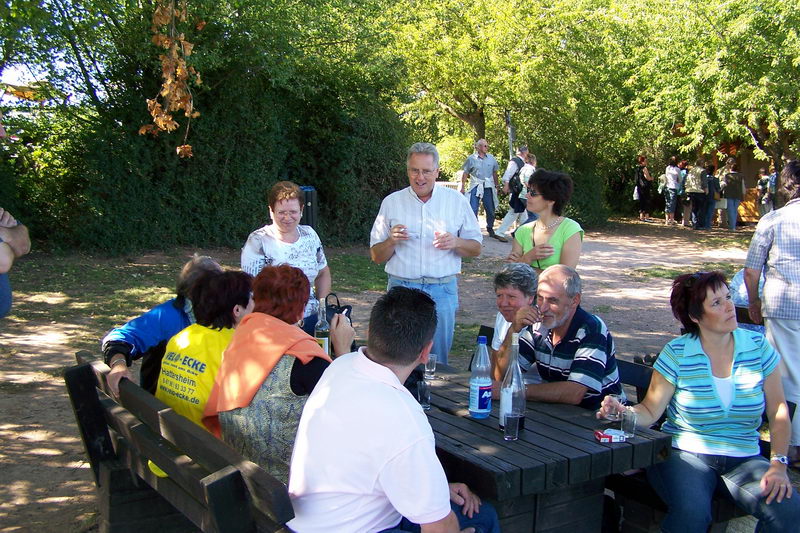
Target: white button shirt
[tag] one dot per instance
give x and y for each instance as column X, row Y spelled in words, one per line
column 446, row 210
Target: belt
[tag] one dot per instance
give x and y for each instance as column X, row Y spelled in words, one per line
column 424, row 280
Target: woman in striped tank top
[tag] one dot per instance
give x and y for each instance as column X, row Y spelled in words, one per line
column 714, row 383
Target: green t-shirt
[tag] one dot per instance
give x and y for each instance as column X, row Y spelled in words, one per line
column 565, row 230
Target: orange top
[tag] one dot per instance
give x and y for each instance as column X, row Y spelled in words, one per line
column 258, row 343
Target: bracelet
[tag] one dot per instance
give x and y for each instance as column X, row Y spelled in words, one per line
column 118, row 361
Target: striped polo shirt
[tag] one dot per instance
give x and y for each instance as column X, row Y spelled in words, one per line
column 696, row 418
column 585, row 355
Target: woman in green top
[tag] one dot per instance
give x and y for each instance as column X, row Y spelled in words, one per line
column 552, row 239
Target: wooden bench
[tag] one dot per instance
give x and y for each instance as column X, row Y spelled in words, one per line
column 210, row 486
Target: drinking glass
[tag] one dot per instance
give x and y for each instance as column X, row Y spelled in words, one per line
column 628, row 425
column 511, row 427
column 616, row 415
column 424, row 394
column 430, row 366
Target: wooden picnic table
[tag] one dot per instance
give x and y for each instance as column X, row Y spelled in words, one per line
column 550, row 480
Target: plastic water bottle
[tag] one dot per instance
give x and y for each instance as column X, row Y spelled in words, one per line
column 480, row 382
column 512, row 391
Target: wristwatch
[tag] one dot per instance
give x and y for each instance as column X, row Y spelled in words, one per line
column 780, row 458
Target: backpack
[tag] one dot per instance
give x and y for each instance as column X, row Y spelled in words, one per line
column 515, row 184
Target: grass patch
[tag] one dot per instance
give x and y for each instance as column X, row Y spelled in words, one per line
column 356, row 273
column 723, row 240
column 464, row 340
column 729, row 269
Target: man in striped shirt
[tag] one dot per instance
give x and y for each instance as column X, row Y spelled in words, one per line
column 572, row 349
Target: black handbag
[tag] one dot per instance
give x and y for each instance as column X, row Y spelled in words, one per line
column 336, row 309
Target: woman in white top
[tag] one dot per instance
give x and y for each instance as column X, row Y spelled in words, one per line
column 673, row 173
column 286, row 242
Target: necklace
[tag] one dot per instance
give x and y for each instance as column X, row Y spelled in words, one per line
column 553, row 223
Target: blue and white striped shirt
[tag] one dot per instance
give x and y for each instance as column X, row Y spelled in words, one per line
column 696, row 418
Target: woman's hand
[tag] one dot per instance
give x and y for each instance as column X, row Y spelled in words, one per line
column 775, row 484
column 342, row 334
column 540, row 251
column 514, row 257
column 609, row 405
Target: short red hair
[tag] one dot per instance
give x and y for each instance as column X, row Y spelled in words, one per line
column 281, row 291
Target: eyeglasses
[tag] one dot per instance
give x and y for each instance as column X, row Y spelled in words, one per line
column 534, row 193
column 424, row 171
column 690, row 281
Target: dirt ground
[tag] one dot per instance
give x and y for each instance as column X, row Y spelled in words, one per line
column 47, row 483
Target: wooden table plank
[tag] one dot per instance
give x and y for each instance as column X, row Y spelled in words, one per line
column 587, row 459
column 637, row 451
column 489, row 476
column 533, row 471
column 451, row 401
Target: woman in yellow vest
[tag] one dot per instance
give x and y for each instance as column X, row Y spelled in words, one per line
column 220, row 301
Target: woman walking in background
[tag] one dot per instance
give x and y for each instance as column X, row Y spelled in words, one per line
column 673, row 174
column 733, row 186
column 644, row 182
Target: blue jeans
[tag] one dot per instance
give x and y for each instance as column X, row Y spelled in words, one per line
column 709, row 211
column 5, row 295
column 670, row 200
column 488, row 205
column 687, row 481
column 484, row 521
column 733, row 212
column 446, row 297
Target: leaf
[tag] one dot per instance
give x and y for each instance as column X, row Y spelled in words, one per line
column 200, row 25
column 187, row 48
column 184, row 150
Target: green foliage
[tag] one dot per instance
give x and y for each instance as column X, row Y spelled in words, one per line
column 330, row 92
column 587, row 205
column 284, row 96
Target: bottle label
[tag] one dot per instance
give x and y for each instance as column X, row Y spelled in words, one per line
column 506, row 402
column 480, row 397
column 324, row 343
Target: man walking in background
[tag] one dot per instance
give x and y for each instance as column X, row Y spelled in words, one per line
column 481, row 169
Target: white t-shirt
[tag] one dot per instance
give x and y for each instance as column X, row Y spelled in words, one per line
column 501, row 325
column 446, row 210
column 673, row 177
column 264, row 248
column 364, row 455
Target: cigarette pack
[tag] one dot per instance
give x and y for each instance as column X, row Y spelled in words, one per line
column 609, row 435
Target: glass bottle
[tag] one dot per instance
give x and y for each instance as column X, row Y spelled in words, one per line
column 322, row 330
column 512, row 391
